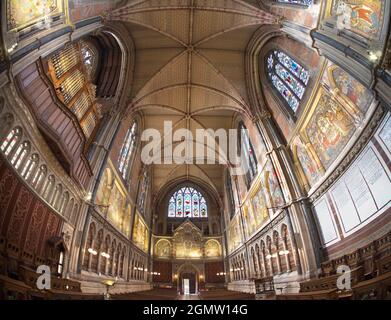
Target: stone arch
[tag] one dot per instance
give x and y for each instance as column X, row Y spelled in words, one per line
column 88, row 245
column 97, row 247
column 188, row 269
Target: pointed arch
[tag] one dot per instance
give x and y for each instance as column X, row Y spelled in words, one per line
column 250, row 163
column 127, row 150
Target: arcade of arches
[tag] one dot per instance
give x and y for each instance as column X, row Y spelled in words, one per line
column 306, row 85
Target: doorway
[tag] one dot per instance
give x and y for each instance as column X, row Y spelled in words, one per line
column 186, row 286
column 188, row 283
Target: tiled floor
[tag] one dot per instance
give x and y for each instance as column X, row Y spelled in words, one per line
column 189, row 297
column 171, row 294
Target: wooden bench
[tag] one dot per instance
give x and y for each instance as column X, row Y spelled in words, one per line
column 374, row 289
column 329, row 282
column 330, row 294
column 264, row 285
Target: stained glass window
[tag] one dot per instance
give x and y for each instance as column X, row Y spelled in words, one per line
column 195, row 205
column 87, row 55
column 143, row 192
column 126, row 153
column 302, row 2
column 230, row 195
column 250, row 161
column 89, row 58
column 187, row 202
column 288, row 77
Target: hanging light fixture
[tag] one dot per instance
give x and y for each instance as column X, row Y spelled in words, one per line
column 105, row 255
column 283, row 252
column 92, row 251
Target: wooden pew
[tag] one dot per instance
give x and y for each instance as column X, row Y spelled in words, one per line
column 374, row 289
column 330, row 294
column 329, row 282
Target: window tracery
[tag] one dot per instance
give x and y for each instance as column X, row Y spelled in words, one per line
column 288, row 77
column 187, row 202
column 250, row 161
column 124, row 161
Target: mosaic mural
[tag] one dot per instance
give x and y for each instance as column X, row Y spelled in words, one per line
column 113, row 201
column 340, row 106
column 350, row 88
column 305, row 161
column 140, row 233
column 163, row 248
column 212, row 249
column 265, row 198
column 272, row 186
column 255, row 211
column 118, row 211
column 21, row 13
column 330, row 128
column 234, row 233
column 259, row 207
column 249, row 220
column 364, row 17
column 103, row 193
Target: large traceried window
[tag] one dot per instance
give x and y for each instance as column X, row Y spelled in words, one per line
column 143, row 192
column 250, row 160
column 187, row 202
column 87, row 55
column 288, row 77
column 124, row 161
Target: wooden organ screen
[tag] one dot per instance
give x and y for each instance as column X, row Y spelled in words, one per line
column 74, row 88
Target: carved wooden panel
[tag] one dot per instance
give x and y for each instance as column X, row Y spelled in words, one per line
column 26, row 223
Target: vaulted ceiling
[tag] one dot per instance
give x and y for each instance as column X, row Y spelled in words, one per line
column 189, row 69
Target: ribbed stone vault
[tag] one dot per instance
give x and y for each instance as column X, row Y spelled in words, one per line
column 189, row 69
